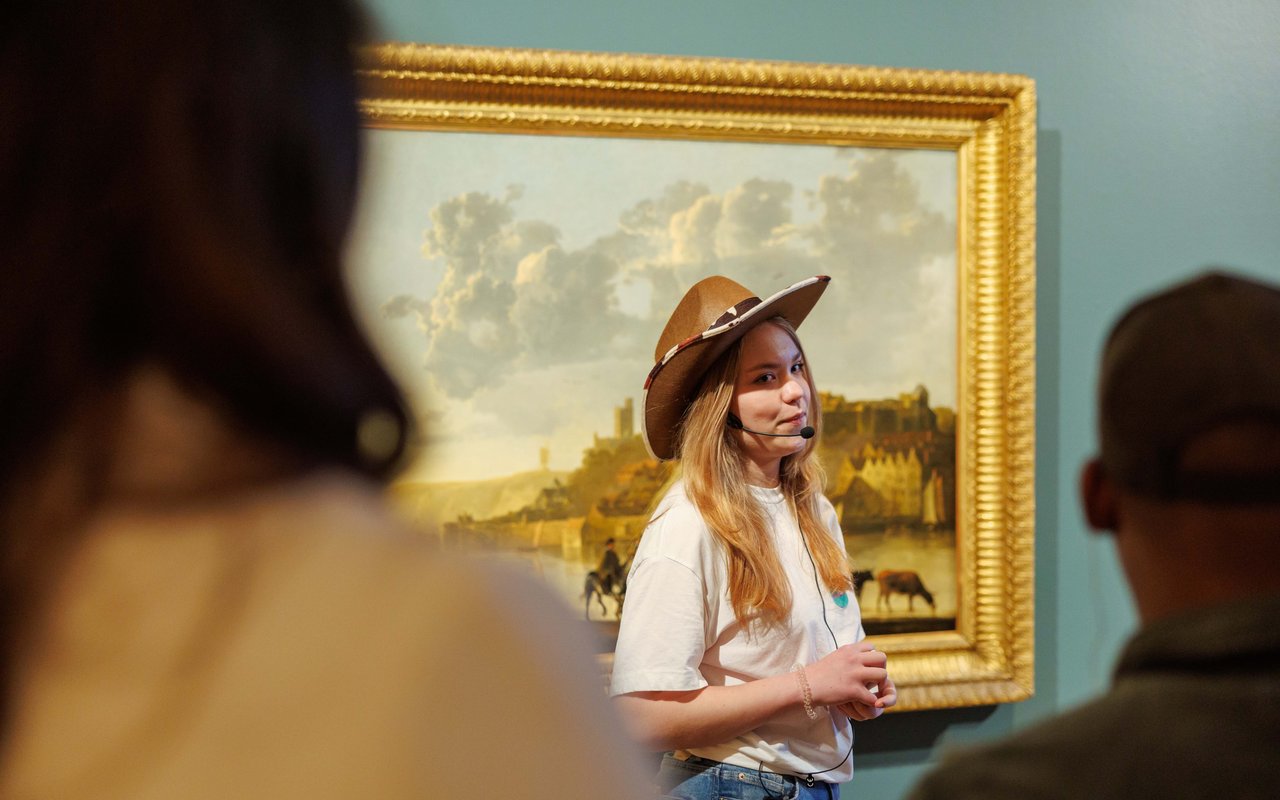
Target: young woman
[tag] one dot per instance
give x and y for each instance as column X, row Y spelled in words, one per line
column 742, row 647
column 202, row 593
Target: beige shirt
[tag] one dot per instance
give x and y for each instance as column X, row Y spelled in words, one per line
column 296, row 642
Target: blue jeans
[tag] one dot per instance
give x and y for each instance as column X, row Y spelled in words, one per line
column 703, row 779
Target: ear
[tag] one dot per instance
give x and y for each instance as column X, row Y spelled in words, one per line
column 1098, row 495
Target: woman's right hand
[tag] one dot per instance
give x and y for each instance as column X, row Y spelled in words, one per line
column 845, row 675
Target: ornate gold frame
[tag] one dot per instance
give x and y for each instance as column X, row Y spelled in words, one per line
column 988, row 119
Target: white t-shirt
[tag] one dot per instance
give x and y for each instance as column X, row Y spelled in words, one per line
column 679, row 633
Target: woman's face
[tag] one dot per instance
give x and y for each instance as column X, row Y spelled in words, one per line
column 771, row 395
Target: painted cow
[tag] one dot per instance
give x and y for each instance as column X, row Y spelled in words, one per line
column 904, row 582
column 860, row 578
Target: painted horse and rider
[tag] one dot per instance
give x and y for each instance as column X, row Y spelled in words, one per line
column 607, row 579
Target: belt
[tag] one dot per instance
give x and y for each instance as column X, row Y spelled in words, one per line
column 757, row 776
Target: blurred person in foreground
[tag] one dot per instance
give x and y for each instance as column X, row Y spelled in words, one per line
column 1188, row 482
column 203, row 593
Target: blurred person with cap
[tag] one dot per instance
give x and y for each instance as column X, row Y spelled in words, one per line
column 742, row 651
column 202, row 593
column 1188, row 483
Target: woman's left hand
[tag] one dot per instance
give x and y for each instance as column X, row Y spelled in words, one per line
column 861, row 712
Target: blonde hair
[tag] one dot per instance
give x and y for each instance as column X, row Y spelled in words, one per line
column 713, row 464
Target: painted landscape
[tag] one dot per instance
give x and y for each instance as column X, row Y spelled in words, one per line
column 517, row 285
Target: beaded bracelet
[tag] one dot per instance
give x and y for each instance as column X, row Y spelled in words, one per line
column 806, row 694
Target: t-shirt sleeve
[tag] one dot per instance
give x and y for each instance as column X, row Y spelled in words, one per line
column 831, row 521
column 661, row 641
column 663, row 635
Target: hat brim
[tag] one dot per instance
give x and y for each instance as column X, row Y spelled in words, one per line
column 671, row 384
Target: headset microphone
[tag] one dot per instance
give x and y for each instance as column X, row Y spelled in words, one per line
column 733, row 422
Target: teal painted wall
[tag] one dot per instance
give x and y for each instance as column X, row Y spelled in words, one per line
column 1159, row 153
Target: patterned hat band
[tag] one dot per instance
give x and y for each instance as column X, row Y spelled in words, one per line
column 735, row 312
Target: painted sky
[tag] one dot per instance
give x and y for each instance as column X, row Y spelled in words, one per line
column 517, row 284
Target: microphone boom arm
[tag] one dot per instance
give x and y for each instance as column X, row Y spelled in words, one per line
column 806, row 432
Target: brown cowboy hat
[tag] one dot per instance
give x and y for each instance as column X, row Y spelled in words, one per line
column 712, row 315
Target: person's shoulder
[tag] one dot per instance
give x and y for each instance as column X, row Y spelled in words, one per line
column 460, row 640
column 828, row 511
column 1144, row 738
column 1055, row 758
column 830, row 518
column 335, row 536
column 676, row 511
column 341, row 556
column 330, row 546
column 334, row 520
column 677, row 531
column 824, row 505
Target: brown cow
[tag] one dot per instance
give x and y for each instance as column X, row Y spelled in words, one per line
column 860, row 578
column 905, row 582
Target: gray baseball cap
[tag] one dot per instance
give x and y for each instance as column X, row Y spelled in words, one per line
column 1179, row 363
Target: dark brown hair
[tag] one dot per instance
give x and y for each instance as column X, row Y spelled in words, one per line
column 176, row 182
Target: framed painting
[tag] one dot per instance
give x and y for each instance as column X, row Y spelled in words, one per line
column 532, row 217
